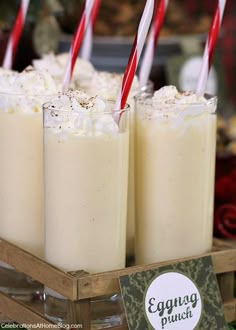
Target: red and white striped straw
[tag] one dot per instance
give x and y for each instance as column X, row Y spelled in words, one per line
column 149, row 53
column 76, row 42
column 88, row 38
column 15, row 35
column 135, row 54
column 209, row 47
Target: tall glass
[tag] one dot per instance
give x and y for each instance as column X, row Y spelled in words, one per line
column 131, row 214
column 21, row 185
column 175, row 163
column 109, row 84
column 86, row 178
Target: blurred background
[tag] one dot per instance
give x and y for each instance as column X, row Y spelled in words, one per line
column 50, row 25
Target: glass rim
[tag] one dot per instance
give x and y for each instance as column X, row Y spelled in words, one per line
column 143, row 89
column 126, row 108
column 144, row 97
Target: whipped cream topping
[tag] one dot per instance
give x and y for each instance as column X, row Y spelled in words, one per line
column 7, row 78
column 168, row 96
column 107, row 85
column 25, row 91
column 6, row 72
column 79, row 114
column 56, row 66
column 168, row 102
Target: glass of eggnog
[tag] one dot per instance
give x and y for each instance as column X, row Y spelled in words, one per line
column 86, row 147
column 174, row 174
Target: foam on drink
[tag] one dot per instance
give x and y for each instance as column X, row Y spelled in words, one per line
column 56, row 64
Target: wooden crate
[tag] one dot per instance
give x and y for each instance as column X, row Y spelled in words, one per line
column 80, row 287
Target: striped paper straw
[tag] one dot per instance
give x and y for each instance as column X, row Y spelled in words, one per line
column 209, row 47
column 76, row 42
column 15, row 35
column 135, row 54
column 88, row 38
column 148, row 57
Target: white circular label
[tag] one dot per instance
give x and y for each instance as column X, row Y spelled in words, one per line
column 173, row 301
column 189, row 75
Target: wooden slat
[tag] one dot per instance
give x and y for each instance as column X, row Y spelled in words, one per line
column 223, row 244
column 230, row 311
column 38, row 269
column 22, row 313
column 224, row 261
column 80, row 313
column 89, row 286
column 107, row 283
column 226, row 286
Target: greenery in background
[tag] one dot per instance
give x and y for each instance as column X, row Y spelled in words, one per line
column 37, row 8
column 8, row 10
column 41, row 30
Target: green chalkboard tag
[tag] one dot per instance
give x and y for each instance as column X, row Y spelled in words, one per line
column 181, row 296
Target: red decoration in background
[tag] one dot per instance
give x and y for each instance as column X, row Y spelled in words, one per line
column 225, row 188
column 225, row 221
column 225, row 198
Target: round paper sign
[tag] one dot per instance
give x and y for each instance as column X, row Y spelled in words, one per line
column 173, row 301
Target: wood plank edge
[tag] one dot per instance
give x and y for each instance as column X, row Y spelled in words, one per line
column 230, row 310
column 88, row 284
column 35, row 267
column 22, row 314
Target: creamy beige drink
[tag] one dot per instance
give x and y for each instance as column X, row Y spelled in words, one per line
column 86, row 174
column 21, row 149
column 175, row 159
column 21, row 180
column 109, row 84
column 21, row 171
